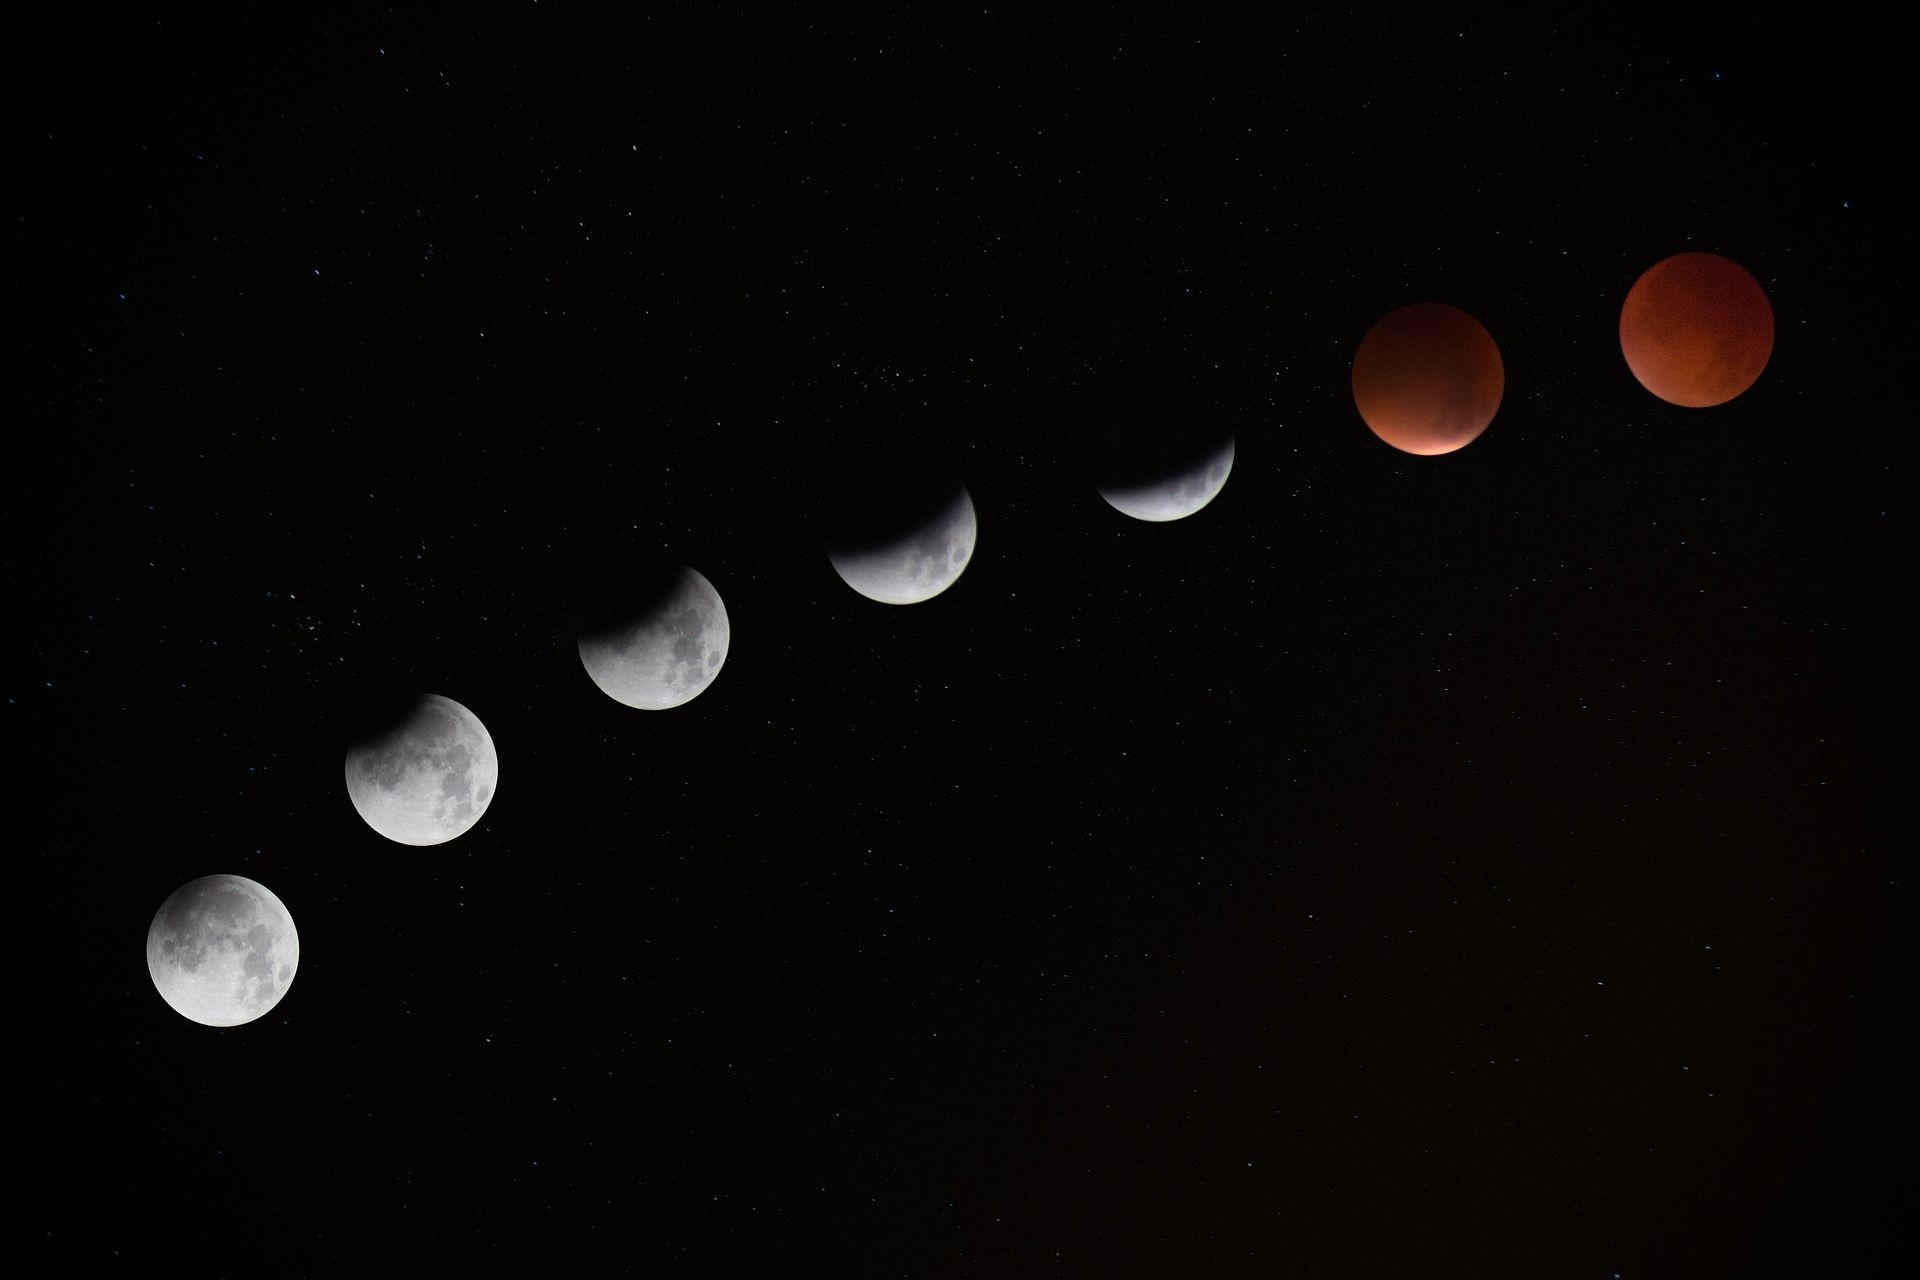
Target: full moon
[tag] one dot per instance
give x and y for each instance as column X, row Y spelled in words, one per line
column 222, row 950
column 1696, row 329
column 1427, row 378
column 907, row 561
column 1176, row 494
column 427, row 778
column 665, row 648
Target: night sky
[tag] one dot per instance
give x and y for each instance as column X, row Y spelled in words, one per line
column 1479, row 864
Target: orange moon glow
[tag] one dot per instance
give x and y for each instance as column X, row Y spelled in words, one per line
column 1427, row 378
column 1696, row 329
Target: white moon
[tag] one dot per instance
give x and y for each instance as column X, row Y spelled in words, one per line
column 430, row 778
column 222, row 950
column 1177, row 495
column 917, row 566
column 668, row 655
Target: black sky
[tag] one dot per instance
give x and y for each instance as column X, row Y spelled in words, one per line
column 1473, row 865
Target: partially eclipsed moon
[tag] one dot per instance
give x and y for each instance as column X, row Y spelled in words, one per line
column 222, row 950
column 1696, row 329
column 667, row 652
column 427, row 779
column 914, row 565
column 1176, row 494
column 1427, row 378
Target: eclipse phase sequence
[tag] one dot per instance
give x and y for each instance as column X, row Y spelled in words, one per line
column 1696, row 330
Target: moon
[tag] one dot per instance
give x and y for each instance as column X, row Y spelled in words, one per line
column 1156, row 447
column 1696, row 329
column 666, row 649
column 911, row 560
column 1174, row 495
column 1427, row 378
column 427, row 778
column 222, row 950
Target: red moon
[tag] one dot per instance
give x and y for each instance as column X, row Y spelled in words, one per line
column 1427, row 378
column 1696, row 330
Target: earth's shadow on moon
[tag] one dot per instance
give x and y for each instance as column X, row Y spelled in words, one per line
column 1147, row 423
column 379, row 711
column 889, row 493
column 614, row 589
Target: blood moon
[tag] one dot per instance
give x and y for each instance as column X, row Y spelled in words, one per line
column 1427, row 378
column 1696, row 329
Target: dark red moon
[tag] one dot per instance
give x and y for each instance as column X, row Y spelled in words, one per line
column 1427, row 378
column 1696, row 329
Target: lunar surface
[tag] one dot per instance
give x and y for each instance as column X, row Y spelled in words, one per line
column 428, row 778
column 914, row 563
column 666, row 650
column 222, row 950
column 1427, row 378
column 1176, row 495
column 1696, row 329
